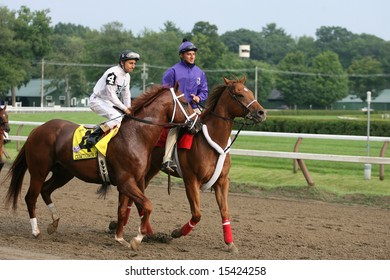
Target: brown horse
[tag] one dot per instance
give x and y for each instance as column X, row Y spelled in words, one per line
column 4, row 127
column 207, row 163
column 49, row 149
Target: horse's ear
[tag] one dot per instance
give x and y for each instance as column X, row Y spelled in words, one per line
column 243, row 80
column 226, row 80
column 176, row 86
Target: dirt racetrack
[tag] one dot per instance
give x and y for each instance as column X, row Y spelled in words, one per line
column 263, row 228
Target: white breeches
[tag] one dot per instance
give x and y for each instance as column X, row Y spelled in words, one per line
column 106, row 110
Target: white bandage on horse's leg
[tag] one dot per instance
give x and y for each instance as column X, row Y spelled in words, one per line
column 53, row 210
column 34, row 227
column 139, row 236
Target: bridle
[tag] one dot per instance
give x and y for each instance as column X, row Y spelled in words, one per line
column 245, row 107
column 190, row 122
column 189, row 118
column 4, row 121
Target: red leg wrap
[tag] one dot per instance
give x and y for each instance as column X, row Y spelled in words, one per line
column 227, row 231
column 186, row 229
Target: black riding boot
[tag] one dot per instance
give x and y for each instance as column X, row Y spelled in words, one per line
column 93, row 138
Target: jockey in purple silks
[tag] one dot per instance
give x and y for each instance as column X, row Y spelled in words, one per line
column 193, row 83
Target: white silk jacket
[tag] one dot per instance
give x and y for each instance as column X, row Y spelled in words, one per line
column 113, row 87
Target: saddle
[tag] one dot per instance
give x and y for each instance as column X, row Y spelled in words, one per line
column 99, row 151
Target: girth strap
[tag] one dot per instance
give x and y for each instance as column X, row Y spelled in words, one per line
column 103, row 168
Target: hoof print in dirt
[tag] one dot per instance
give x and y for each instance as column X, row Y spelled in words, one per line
column 158, row 238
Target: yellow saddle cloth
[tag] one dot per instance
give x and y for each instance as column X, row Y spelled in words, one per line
column 80, row 151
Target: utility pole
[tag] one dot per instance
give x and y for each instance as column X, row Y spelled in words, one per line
column 42, row 78
column 256, row 77
column 144, row 76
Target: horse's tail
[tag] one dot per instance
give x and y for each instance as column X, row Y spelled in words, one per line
column 103, row 190
column 16, row 172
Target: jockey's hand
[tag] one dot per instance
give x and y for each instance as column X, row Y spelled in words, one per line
column 195, row 98
column 128, row 111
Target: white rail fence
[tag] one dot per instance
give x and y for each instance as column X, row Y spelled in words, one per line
column 297, row 157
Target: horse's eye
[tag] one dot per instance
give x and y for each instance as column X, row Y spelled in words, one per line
column 240, row 95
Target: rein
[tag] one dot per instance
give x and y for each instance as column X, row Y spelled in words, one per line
column 170, row 124
column 189, row 122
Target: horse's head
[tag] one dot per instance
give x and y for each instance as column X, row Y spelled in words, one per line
column 177, row 110
column 4, row 125
column 248, row 107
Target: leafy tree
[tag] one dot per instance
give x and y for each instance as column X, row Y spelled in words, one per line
column 292, row 79
column 308, row 46
column 365, row 75
column 275, row 44
column 233, row 39
column 338, row 40
column 70, row 29
column 330, row 82
column 64, row 68
column 26, row 38
column 159, row 51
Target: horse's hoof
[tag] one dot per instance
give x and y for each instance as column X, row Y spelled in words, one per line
column 112, row 226
column 123, row 242
column 52, row 228
column 176, row 233
column 135, row 244
column 232, row 248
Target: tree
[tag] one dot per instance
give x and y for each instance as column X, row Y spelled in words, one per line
column 233, row 39
column 330, row 83
column 366, row 75
column 338, row 40
column 275, row 44
column 25, row 39
column 292, row 79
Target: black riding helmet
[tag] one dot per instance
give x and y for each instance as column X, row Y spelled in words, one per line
column 127, row 55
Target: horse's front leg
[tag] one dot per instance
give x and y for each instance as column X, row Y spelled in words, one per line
column 221, row 188
column 122, row 219
column 144, row 209
column 192, row 192
column 135, row 193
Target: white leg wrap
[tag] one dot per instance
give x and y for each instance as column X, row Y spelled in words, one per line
column 34, row 227
column 139, row 236
column 54, row 212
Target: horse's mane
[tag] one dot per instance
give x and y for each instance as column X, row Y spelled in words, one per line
column 147, row 97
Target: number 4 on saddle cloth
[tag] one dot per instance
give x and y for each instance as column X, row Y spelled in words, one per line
column 79, row 148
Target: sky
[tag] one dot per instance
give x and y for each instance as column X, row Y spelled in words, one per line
column 296, row 17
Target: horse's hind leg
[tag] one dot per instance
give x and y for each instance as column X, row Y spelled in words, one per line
column 58, row 179
column 31, row 201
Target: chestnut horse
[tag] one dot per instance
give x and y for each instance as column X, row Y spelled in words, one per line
column 207, row 163
column 4, row 127
column 49, row 149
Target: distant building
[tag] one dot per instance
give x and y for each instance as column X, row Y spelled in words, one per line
column 351, row 102
column 30, row 96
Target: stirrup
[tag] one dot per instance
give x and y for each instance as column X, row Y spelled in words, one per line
column 169, row 166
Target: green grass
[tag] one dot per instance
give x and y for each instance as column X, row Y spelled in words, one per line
column 334, row 181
